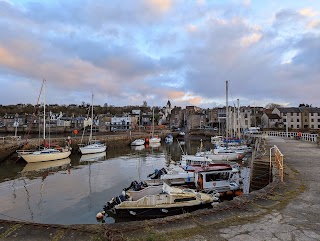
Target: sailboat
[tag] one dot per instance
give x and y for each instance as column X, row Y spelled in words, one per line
column 139, row 141
column 44, row 153
column 154, row 139
column 93, row 146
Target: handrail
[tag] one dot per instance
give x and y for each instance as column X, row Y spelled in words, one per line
column 9, row 139
column 304, row 136
column 278, row 158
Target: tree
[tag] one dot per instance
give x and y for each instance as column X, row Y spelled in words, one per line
column 145, row 103
column 272, row 105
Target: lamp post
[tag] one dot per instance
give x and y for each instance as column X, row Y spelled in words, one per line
column 287, row 126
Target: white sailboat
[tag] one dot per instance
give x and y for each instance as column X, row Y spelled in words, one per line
column 93, row 146
column 45, row 153
column 139, row 141
column 154, row 139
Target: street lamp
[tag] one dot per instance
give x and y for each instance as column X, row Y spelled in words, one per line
column 287, row 126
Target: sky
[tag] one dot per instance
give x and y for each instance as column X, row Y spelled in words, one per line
column 126, row 52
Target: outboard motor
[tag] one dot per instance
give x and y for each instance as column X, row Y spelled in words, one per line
column 158, row 173
column 115, row 201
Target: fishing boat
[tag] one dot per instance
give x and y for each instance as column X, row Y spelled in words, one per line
column 159, row 202
column 46, row 152
column 215, row 177
column 93, row 146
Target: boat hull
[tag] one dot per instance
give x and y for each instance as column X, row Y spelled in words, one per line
column 157, row 212
column 138, row 142
column 31, row 158
column 92, row 150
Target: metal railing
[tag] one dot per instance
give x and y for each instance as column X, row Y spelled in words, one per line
column 294, row 135
column 278, row 159
column 9, row 139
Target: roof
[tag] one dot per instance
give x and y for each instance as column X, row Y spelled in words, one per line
column 289, row 109
column 273, row 116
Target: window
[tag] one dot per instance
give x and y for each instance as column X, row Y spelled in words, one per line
column 291, row 119
column 284, row 120
column 291, row 126
column 312, row 126
column 312, row 120
column 217, row 176
column 298, row 120
column 298, row 126
column 311, row 114
column 305, row 120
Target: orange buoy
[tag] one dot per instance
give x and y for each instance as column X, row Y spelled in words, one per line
column 238, row 193
column 229, row 192
column 75, row 132
column 147, row 140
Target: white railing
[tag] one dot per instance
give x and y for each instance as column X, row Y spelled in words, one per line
column 278, row 160
column 293, row 135
column 9, row 139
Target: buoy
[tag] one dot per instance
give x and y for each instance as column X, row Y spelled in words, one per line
column 100, row 215
column 229, row 192
column 238, row 193
column 147, row 140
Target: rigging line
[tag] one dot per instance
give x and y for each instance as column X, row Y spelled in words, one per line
column 34, row 113
column 231, row 95
column 84, row 128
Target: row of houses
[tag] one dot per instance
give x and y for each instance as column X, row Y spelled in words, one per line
column 191, row 117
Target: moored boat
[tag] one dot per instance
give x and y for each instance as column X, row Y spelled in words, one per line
column 164, row 202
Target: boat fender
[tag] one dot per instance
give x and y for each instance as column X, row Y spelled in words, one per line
column 164, row 210
column 100, row 214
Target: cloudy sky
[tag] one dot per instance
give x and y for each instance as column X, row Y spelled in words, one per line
column 127, row 52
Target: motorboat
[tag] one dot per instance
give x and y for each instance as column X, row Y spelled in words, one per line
column 138, row 142
column 157, row 202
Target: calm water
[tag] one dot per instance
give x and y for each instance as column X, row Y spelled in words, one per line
column 74, row 190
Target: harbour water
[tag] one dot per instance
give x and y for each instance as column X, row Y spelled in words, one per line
column 73, row 190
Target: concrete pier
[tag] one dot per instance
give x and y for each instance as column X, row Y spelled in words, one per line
column 280, row 211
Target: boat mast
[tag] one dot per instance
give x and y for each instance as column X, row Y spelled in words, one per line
column 227, row 112
column 90, row 137
column 152, row 121
column 238, row 126
column 44, row 111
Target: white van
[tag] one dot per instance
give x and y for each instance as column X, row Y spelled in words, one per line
column 254, row 130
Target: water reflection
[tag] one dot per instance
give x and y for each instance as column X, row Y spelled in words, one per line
column 46, row 166
column 93, row 157
column 73, row 190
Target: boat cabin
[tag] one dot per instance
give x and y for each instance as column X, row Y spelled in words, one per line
column 214, row 178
